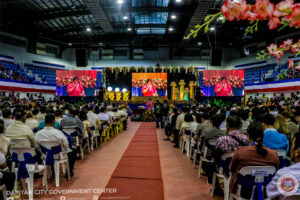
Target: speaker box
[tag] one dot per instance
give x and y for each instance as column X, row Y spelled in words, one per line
column 216, row 57
column 81, row 58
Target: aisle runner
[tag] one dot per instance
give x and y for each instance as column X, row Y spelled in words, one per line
column 138, row 174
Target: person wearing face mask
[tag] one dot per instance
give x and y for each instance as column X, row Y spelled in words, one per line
column 75, row 88
column 223, row 88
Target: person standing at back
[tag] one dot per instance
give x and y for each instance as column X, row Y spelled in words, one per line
column 158, row 114
column 165, row 112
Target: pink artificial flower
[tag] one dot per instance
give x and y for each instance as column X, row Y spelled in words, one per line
column 294, row 17
column 273, row 23
column 235, row 10
column 272, row 49
column 284, row 8
column 264, row 9
column 291, row 64
column 251, row 15
column 286, row 44
column 278, row 54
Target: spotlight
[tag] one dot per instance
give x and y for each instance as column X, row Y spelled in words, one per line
column 109, row 89
column 125, row 17
column 100, row 43
column 199, row 43
column 129, row 29
column 70, row 44
column 212, row 28
column 117, row 89
column 120, row 1
column 178, row 1
column 220, row 18
column 88, row 29
column 173, row 16
column 124, row 90
column 171, row 29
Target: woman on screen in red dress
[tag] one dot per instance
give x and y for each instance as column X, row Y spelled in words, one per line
column 75, row 89
column 223, row 88
column 149, row 90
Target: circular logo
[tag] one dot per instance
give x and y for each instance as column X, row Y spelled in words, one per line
column 287, row 184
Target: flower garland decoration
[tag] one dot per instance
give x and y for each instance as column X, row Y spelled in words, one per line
column 158, row 83
column 85, row 81
column 234, row 81
column 278, row 51
column 285, row 13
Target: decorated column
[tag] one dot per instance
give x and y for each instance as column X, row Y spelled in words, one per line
column 176, row 94
column 111, row 95
column 192, row 85
column 118, row 96
column 186, row 94
column 181, row 90
column 126, row 96
column 173, row 85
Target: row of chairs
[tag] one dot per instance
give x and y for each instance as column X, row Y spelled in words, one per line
column 258, row 174
column 24, row 160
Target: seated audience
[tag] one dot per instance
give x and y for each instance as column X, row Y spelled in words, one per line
column 233, row 139
column 41, row 115
column 6, row 114
column 188, row 119
column 6, row 178
column 58, row 115
column 196, row 124
column 254, row 155
column 214, row 132
column 19, row 130
column 4, row 141
column 295, row 148
column 51, row 134
column 272, row 138
column 205, row 123
column 291, row 126
column 93, row 118
column 171, row 123
column 71, row 121
column 30, row 121
column 103, row 115
column 42, row 123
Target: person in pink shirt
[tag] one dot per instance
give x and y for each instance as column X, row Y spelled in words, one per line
column 149, row 90
column 223, row 88
column 75, row 88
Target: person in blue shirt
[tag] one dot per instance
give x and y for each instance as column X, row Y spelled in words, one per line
column 272, row 138
column 42, row 123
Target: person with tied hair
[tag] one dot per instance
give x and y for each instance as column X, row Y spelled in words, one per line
column 254, row 155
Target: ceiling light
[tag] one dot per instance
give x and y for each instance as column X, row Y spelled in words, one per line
column 199, row 43
column 100, row 43
column 171, row 29
column 117, row 89
column 212, row 28
column 109, row 89
column 120, row 1
column 70, row 44
column 125, row 17
column 173, row 16
column 88, row 29
column 129, row 29
column 178, row 1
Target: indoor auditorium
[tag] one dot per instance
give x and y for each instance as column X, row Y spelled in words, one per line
column 149, row 99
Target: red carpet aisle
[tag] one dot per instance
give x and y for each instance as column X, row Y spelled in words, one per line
column 138, row 174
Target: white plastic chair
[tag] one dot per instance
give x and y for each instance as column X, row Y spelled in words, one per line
column 259, row 172
column 220, row 174
column 197, row 152
column 186, row 141
column 94, row 141
column 282, row 157
column 31, row 168
column 59, row 159
column 3, row 191
column 75, row 140
column 203, row 157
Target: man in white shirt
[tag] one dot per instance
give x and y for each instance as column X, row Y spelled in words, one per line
column 30, row 121
column 50, row 134
column 93, row 118
column 41, row 116
column 19, row 130
column 103, row 115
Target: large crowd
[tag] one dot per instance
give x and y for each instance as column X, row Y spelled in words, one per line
column 36, row 123
column 253, row 134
